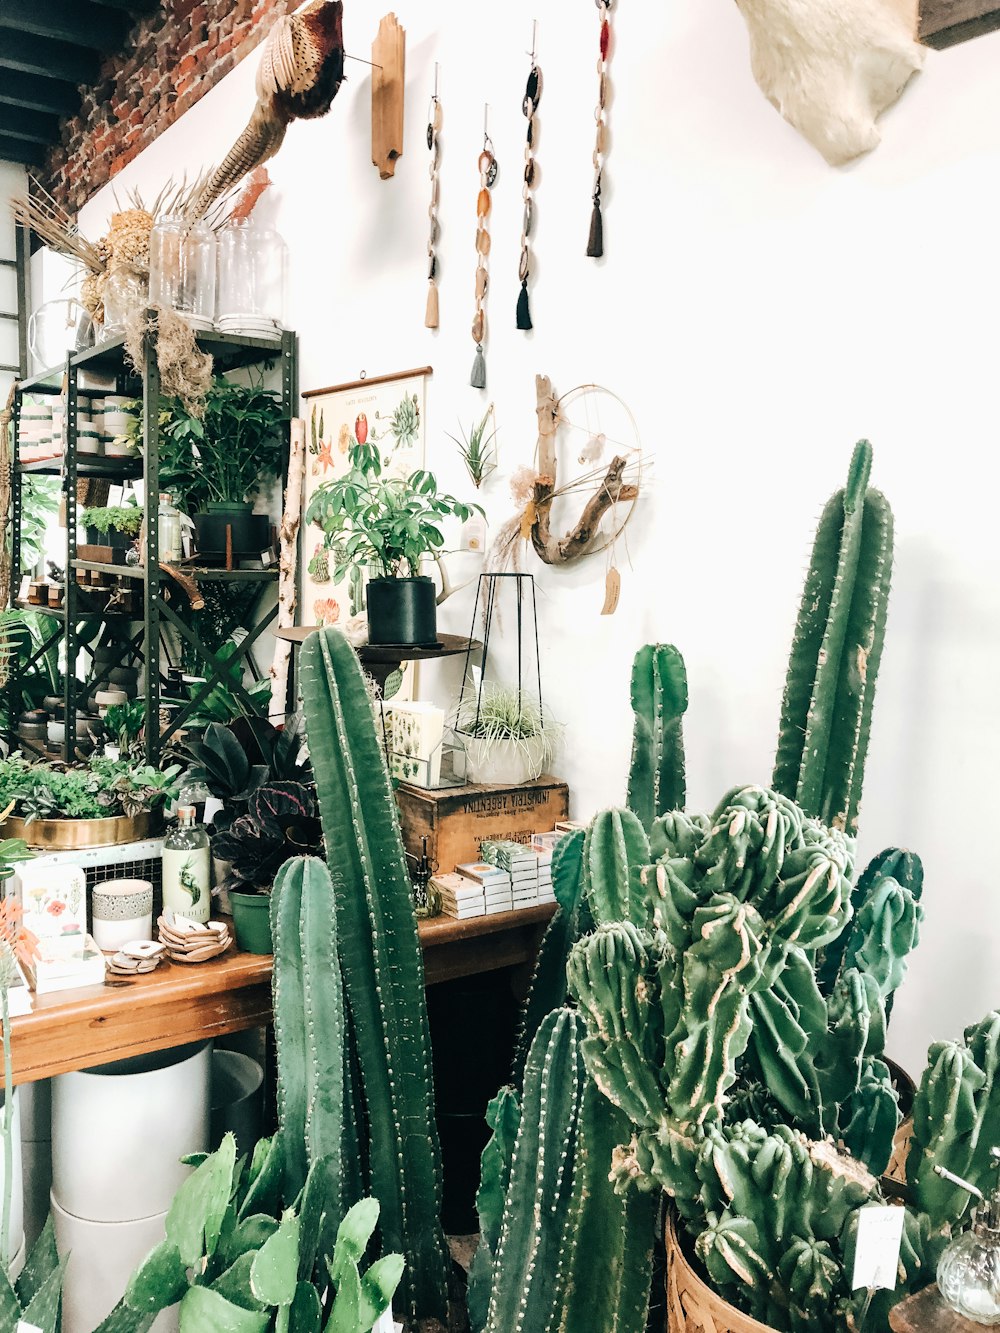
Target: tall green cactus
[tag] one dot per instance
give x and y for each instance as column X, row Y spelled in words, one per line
column 381, row 961
column 836, row 651
column 614, row 852
column 656, row 781
column 503, row 1115
column 308, row 1019
column 535, row 1234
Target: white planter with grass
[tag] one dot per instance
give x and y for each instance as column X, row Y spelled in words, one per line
column 507, row 738
column 505, row 763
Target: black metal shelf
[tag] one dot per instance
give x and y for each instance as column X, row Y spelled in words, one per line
column 92, row 465
column 143, row 641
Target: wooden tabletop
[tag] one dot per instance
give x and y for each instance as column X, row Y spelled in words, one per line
column 926, row 1312
column 180, row 1003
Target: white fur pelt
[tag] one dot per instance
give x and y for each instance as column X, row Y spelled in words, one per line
column 831, row 67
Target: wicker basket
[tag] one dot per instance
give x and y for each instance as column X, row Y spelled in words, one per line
column 692, row 1305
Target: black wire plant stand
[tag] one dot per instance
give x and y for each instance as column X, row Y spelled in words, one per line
column 488, row 594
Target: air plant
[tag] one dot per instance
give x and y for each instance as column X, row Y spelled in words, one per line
column 504, row 715
column 478, row 449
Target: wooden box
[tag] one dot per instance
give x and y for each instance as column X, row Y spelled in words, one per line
column 457, row 819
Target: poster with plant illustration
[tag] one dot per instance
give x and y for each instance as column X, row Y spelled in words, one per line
column 385, row 410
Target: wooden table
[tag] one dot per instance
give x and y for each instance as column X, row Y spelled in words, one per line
column 181, row 1003
column 926, row 1312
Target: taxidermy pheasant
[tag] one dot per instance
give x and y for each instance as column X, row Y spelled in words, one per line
column 301, row 70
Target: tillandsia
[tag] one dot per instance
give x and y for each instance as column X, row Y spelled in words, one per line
column 478, row 449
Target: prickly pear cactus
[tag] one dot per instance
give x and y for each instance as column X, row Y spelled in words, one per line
column 836, row 651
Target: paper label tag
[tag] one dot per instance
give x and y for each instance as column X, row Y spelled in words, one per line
column 22, row 1327
column 880, row 1234
column 612, row 589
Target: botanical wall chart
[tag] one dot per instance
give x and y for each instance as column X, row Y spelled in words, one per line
column 387, row 410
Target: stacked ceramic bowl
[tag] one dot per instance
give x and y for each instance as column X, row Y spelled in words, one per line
column 118, row 1134
column 35, row 431
column 115, row 422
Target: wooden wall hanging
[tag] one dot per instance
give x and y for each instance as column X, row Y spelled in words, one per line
column 595, row 241
column 388, row 83
column 947, row 22
column 435, row 119
column 618, row 485
column 487, row 165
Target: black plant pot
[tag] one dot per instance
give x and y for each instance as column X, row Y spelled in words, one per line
column 402, row 612
column 118, row 541
column 251, row 532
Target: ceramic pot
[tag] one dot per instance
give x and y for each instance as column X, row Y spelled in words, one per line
column 252, row 921
column 251, row 532
column 101, row 1259
column 120, row 1130
column 121, row 911
column 237, row 1099
column 402, row 611
column 504, row 763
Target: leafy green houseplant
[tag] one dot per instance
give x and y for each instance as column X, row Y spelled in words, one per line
column 507, row 737
column 371, row 517
column 118, row 524
column 213, row 465
column 102, row 789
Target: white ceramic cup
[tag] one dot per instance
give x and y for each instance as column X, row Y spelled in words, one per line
column 122, row 911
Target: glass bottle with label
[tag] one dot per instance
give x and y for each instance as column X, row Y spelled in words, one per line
column 168, row 530
column 187, row 868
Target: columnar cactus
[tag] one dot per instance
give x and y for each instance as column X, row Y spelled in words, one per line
column 836, row 651
column 614, row 852
column 381, row 962
column 535, row 1232
column 503, row 1117
column 659, row 700
column 308, row 1020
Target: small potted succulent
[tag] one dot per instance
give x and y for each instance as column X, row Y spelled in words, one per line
column 281, row 821
column 508, row 739
column 213, row 465
column 116, row 526
column 371, row 517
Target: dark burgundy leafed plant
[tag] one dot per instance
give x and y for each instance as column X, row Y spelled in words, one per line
column 281, row 821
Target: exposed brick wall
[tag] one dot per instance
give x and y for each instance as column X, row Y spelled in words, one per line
column 170, row 60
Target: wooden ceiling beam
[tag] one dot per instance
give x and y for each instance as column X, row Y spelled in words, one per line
column 948, row 22
column 48, row 96
column 32, row 125
column 134, row 7
column 21, row 150
column 28, row 54
column 75, row 21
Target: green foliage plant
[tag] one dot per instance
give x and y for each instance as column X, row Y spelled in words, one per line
column 100, row 789
column 504, row 716
column 370, row 516
column 478, row 450
column 39, row 505
column 126, row 519
column 225, row 454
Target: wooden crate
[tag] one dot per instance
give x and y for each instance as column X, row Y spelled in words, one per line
column 456, row 820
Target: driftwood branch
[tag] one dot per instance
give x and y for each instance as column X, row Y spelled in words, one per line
column 561, row 550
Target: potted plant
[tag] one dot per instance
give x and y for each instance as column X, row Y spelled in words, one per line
column 373, row 518
column 116, row 526
column 104, row 802
column 281, row 821
column 214, row 464
column 508, row 740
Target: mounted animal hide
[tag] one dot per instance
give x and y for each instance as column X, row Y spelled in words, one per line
column 831, row 67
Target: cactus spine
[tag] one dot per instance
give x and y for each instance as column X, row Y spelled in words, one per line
column 659, row 701
column 308, row 1020
column 836, row 651
column 381, row 962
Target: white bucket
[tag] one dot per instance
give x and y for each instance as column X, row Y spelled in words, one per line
column 119, row 1131
column 101, row 1258
column 17, row 1194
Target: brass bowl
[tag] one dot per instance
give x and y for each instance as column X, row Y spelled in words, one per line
column 71, row 835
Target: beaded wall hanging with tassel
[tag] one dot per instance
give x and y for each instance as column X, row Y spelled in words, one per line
column 484, row 203
column 532, row 96
column 595, row 242
column 435, row 119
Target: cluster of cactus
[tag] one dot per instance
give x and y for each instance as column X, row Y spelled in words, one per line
column 389, row 1126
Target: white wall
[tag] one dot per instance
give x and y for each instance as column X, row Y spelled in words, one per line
column 759, row 312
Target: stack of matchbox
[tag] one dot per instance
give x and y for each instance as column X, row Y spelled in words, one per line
column 474, row 889
column 510, row 876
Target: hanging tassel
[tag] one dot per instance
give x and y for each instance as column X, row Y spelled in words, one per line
column 478, row 377
column 431, row 317
column 523, row 313
column 595, row 243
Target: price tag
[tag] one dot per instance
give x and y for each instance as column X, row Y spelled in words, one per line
column 880, row 1234
column 22, row 1327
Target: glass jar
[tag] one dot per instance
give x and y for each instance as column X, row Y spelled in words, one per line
column 182, row 269
column 168, row 530
column 124, row 292
column 253, row 273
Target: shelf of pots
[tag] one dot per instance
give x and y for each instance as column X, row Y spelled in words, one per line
column 732, row 983
column 269, row 814
column 96, row 804
column 372, row 518
column 213, row 465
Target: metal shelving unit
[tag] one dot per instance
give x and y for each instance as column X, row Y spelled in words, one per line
column 230, row 352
